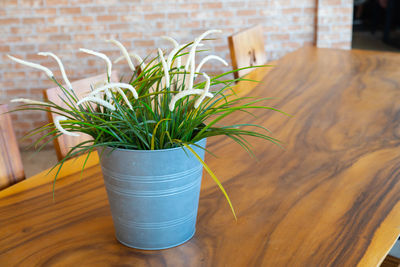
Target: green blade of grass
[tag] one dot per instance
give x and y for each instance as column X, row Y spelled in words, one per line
column 214, row 177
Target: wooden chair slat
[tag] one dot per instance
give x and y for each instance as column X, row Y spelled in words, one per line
column 247, row 49
column 11, row 168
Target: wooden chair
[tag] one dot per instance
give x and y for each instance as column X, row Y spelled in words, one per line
column 247, row 49
column 64, row 143
column 11, row 169
column 390, row 261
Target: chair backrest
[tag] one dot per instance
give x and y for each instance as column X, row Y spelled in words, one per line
column 64, row 143
column 247, row 49
column 11, row 168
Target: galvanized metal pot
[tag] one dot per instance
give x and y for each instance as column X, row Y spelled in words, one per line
column 153, row 194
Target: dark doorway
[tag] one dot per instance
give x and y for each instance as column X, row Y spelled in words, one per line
column 376, row 25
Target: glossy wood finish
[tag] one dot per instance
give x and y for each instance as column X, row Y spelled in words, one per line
column 391, row 261
column 331, row 198
column 247, row 49
column 11, row 168
column 64, row 143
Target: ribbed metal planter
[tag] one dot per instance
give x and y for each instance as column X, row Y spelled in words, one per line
column 153, row 194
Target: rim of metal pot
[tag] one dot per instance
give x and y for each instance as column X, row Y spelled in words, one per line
column 150, row 151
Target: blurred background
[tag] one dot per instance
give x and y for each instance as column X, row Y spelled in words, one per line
column 376, row 24
column 63, row 26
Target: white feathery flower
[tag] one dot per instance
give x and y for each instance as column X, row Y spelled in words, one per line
column 191, row 77
column 197, row 41
column 119, row 90
column 165, row 67
column 170, row 39
column 205, row 91
column 33, row 65
column 113, row 85
column 60, row 128
column 96, row 92
column 108, row 94
column 60, row 64
column 131, row 54
column 207, row 58
column 28, row 101
column 191, row 58
column 137, row 57
column 171, row 56
column 124, row 53
column 192, row 73
column 97, row 101
column 101, row 55
column 97, row 85
column 184, row 93
column 120, row 58
column 177, row 47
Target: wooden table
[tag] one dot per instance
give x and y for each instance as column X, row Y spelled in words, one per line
column 330, row 199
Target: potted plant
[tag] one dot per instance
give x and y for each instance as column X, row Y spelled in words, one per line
column 150, row 132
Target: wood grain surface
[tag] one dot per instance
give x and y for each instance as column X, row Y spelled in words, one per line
column 331, row 198
column 11, row 169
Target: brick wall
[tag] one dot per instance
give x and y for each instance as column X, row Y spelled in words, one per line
column 63, row 26
column 334, row 23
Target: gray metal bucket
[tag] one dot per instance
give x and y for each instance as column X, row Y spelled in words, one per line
column 153, row 194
